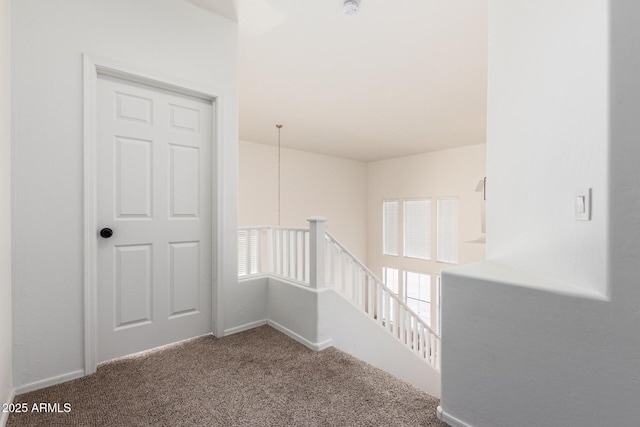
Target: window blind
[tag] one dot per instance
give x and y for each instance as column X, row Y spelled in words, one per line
column 247, row 252
column 242, row 253
column 417, row 228
column 448, row 230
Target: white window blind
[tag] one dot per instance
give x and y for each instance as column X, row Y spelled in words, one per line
column 242, row 253
column 418, row 294
column 390, row 227
column 247, row 252
column 448, row 230
column 417, row 228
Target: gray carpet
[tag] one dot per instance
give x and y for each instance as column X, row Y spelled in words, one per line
column 256, row 378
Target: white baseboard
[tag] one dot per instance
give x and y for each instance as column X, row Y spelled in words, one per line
column 49, row 382
column 315, row 346
column 245, row 327
column 323, row 345
column 4, row 416
column 288, row 332
column 450, row 419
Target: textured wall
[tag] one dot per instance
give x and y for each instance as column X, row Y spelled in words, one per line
column 519, row 349
column 547, row 134
column 312, row 185
column 446, row 173
column 167, row 37
column 6, row 385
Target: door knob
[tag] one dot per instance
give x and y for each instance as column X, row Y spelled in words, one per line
column 106, row 233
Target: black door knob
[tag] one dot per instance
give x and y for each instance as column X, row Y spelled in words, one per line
column 106, row 233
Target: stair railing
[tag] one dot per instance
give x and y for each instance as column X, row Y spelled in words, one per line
column 315, row 258
column 281, row 251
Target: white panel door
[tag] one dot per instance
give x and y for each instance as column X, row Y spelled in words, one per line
column 154, row 193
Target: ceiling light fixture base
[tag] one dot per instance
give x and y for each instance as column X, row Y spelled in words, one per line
column 350, row 7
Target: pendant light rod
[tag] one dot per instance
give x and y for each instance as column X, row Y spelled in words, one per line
column 279, row 126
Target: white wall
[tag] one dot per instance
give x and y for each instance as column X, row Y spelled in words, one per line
column 312, row 185
column 354, row 332
column 547, row 136
column 168, row 37
column 516, row 353
column 250, row 307
column 6, row 383
column 446, row 173
column 319, row 318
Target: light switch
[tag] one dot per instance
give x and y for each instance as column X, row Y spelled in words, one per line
column 582, row 204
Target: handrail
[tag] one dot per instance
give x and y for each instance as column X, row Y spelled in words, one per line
column 380, row 282
column 277, row 250
column 271, row 227
column 300, row 254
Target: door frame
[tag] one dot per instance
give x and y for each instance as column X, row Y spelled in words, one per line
column 94, row 66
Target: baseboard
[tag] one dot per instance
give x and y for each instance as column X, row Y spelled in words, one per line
column 318, row 346
column 49, row 382
column 323, row 345
column 4, row 416
column 450, row 419
column 245, row 327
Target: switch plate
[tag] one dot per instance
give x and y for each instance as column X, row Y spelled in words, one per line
column 582, row 204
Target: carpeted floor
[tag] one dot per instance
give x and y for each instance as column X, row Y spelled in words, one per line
column 256, row 378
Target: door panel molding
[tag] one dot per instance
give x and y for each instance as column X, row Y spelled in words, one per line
column 94, row 66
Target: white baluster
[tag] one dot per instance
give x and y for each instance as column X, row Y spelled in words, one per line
column 286, row 238
column 396, row 317
column 303, row 263
column 294, row 257
column 423, row 340
column 402, row 325
column 362, row 290
column 316, row 251
column 387, row 310
column 354, row 292
column 281, row 251
column 300, row 275
column 379, row 303
column 414, row 334
column 341, row 269
column 393, row 313
column 269, row 233
column 259, row 251
column 248, row 251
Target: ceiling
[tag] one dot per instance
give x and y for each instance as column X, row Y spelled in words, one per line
column 398, row 78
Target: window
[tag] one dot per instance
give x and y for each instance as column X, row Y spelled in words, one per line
column 390, row 278
column 418, row 294
column 390, row 227
column 247, row 252
column 448, row 230
column 242, row 253
column 417, row 229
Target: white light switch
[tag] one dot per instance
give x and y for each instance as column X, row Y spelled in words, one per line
column 582, row 204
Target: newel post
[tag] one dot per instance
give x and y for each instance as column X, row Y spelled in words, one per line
column 317, row 227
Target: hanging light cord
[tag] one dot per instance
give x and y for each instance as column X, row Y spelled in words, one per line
column 279, row 160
